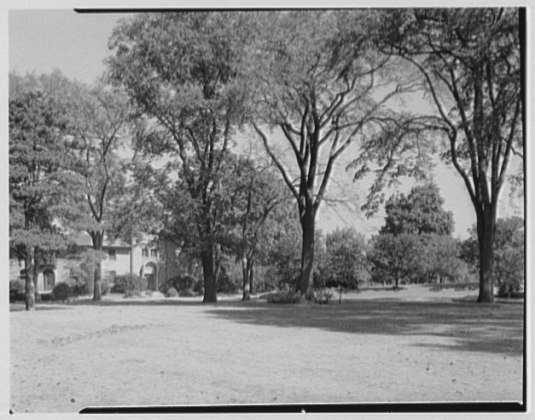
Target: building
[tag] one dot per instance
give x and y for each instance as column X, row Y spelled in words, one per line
column 148, row 257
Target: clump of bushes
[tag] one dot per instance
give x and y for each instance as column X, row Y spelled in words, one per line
column 129, row 283
column 62, row 291
column 171, row 292
column 285, row 296
column 183, row 284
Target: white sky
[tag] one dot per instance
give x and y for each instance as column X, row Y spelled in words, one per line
column 42, row 40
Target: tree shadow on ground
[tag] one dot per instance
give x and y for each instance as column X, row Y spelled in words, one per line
column 493, row 328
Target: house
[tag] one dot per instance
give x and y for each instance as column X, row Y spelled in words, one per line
column 153, row 259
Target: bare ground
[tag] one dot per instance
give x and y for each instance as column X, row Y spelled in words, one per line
column 413, row 345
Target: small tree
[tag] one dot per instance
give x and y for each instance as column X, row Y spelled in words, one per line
column 346, row 262
column 396, row 258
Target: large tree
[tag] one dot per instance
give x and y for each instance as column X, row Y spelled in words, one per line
column 36, row 155
column 98, row 127
column 320, row 86
column 470, row 61
column 182, row 72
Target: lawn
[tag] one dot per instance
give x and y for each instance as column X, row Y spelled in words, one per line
column 414, row 345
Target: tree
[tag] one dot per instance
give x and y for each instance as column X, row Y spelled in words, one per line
column 346, row 259
column 98, row 124
column 396, row 258
column 250, row 196
column 470, row 60
column 440, row 258
column 418, row 213
column 509, row 261
column 182, row 72
column 36, row 151
column 318, row 83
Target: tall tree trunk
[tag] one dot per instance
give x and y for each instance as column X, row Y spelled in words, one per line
column 486, row 224
column 97, row 275
column 207, row 259
column 246, row 279
column 30, row 286
column 305, row 285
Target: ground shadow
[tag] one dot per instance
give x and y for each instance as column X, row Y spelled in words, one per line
column 494, row 328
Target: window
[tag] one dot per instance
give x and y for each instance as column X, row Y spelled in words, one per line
column 154, row 253
column 112, row 255
column 145, row 252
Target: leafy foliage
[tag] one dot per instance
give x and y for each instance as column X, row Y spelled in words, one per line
column 36, row 149
column 62, row 291
column 418, row 213
column 346, row 262
column 509, row 253
column 129, row 283
column 396, row 258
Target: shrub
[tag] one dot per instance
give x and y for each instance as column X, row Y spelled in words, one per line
column 129, row 282
column 62, row 291
column 180, row 282
column 186, row 293
column 284, row 297
column 322, row 296
column 132, row 293
column 148, row 293
column 172, row 292
column 16, row 290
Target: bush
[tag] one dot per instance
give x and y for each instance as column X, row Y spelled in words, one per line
column 128, row 283
column 132, row 293
column 16, row 290
column 186, row 293
column 284, row 297
column 322, row 296
column 172, row 292
column 62, row 291
column 180, row 282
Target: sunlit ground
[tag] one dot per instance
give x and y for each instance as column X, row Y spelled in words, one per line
column 413, row 345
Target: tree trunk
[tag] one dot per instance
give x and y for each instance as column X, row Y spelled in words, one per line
column 485, row 236
column 246, row 279
column 97, row 238
column 305, row 285
column 97, row 282
column 251, row 276
column 30, row 286
column 207, row 259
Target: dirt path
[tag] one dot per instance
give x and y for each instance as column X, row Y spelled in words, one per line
column 399, row 347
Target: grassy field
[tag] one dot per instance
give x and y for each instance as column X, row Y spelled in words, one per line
column 414, row 345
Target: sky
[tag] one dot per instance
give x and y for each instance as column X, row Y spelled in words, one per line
column 43, row 40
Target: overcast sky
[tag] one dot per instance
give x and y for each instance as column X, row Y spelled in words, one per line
column 76, row 44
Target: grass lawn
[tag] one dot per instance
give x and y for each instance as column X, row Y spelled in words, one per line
column 413, row 345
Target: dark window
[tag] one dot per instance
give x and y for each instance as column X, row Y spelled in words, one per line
column 112, row 254
column 154, row 253
column 145, row 252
